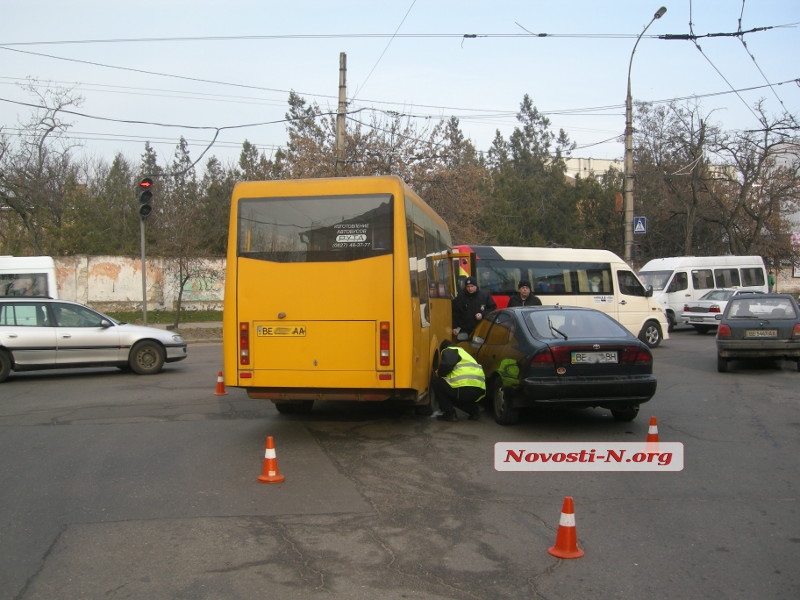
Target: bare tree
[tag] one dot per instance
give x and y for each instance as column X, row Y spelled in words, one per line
column 37, row 175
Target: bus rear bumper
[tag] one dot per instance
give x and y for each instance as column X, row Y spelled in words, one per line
column 296, row 394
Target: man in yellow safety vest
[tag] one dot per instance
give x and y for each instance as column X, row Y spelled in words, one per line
column 459, row 382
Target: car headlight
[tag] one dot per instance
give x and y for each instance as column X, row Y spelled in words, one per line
column 177, row 338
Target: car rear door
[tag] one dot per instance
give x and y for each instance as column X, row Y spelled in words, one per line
column 26, row 330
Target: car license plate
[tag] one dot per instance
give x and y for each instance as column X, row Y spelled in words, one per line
column 760, row 333
column 581, row 358
column 693, row 319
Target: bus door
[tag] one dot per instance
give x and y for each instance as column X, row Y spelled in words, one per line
column 463, row 267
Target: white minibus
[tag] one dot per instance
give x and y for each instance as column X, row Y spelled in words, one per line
column 677, row 280
column 567, row 276
column 28, row 276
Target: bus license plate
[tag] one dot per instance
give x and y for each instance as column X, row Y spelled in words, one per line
column 759, row 333
column 281, row 331
column 581, row 358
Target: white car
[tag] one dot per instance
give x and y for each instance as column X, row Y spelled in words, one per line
column 43, row 333
column 702, row 314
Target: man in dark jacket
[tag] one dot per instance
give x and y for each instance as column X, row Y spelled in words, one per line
column 458, row 381
column 524, row 297
column 469, row 307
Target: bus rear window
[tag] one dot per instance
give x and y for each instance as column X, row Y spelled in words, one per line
column 315, row 229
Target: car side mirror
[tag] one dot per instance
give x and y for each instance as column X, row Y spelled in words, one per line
column 105, row 323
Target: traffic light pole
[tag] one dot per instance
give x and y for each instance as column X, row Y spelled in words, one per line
column 144, row 273
column 145, row 208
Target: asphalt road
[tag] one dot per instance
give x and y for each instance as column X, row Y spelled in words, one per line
column 117, row 486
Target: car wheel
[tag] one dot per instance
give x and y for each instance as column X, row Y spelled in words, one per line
column 625, row 414
column 504, row 412
column 702, row 328
column 294, row 408
column 146, row 358
column 722, row 364
column 651, row 334
column 5, row 365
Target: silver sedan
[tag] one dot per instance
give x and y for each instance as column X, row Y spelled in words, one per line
column 42, row 333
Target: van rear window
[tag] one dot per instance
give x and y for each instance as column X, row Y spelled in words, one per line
column 24, row 284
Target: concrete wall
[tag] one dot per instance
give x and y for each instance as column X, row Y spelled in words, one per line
column 114, row 283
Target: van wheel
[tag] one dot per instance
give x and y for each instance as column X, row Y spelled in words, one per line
column 5, row 365
column 504, row 412
column 651, row 334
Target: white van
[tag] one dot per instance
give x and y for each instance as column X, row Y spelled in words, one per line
column 677, row 280
column 28, row 276
column 567, row 276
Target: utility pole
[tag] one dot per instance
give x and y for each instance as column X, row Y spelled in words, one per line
column 340, row 155
column 627, row 189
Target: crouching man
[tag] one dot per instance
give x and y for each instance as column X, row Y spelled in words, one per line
column 458, row 382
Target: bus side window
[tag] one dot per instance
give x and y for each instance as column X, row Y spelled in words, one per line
column 702, row 279
column 727, row 277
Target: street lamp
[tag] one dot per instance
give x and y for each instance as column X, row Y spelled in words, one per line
column 628, row 179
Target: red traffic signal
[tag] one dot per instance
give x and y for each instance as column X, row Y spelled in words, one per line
column 145, row 198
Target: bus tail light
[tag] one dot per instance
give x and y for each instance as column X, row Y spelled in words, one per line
column 385, row 356
column 244, row 343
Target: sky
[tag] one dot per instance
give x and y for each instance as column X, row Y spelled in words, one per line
column 156, row 71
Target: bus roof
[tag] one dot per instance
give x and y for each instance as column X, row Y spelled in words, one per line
column 675, row 262
column 546, row 254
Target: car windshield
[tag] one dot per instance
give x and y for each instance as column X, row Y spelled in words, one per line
column 717, row 295
column 560, row 324
column 656, row 279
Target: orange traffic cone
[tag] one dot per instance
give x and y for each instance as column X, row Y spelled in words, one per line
column 270, row 472
column 652, row 436
column 566, row 545
column 220, row 386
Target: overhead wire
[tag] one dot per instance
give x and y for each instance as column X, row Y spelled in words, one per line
column 758, row 67
column 467, row 114
column 391, row 39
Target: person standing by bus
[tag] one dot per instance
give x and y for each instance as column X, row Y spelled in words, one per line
column 523, row 297
column 458, row 382
column 469, row 307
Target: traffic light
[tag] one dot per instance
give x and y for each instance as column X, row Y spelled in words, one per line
column 145, row 198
